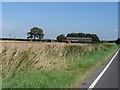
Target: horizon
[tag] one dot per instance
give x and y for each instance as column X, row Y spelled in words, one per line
column 60, row 18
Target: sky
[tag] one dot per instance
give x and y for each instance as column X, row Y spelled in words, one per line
column 60, row 0
column 56, row 18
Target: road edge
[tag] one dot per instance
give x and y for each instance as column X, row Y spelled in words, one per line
column 102, row 72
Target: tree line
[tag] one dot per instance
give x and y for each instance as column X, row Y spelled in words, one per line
column 62, row 37
column 37, row 33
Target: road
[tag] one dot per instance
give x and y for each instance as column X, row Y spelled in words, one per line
column 110, row 77
column 105, row 79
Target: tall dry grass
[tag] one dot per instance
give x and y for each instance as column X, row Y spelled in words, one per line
column 24, row 56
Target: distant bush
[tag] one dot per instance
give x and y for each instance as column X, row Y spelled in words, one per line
column 44, row 40
column 61, row 38
column 117, row 41
column 14, row 39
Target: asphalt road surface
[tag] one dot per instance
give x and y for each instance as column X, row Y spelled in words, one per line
column 110, row 77
column 108, row 80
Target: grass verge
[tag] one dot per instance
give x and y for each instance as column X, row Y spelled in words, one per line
column 75, row 65
column 87, row 64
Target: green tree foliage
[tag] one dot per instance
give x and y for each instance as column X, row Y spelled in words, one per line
column 117, row 41
column 72, row 35
column 61, row 38
column 35, row 33
column 94, row 37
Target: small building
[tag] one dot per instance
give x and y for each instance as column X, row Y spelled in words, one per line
column 78, row 39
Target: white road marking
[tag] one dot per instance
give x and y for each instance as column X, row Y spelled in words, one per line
column 100, row 75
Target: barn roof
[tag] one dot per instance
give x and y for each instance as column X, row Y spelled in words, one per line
column 78, row 38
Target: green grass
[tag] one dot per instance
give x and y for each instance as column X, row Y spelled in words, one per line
column 89, row 60
column 39, row 79
column 84, row 66
column 66, row 66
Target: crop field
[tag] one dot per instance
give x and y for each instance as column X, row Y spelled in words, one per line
column 50, row 65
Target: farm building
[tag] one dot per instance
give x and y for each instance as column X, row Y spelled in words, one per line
column 78, row 39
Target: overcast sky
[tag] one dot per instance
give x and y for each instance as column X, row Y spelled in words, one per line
column 100, row 18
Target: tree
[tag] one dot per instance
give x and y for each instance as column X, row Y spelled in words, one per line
column 61, row 38
column 95, row 38
column 35, row 32
column 29, row 34
column 72, row 35
column 81, row 34
column 117, row 41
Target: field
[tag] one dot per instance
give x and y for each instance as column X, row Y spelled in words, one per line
column 50, row 65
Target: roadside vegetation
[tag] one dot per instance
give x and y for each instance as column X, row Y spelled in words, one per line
column 50, row 65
